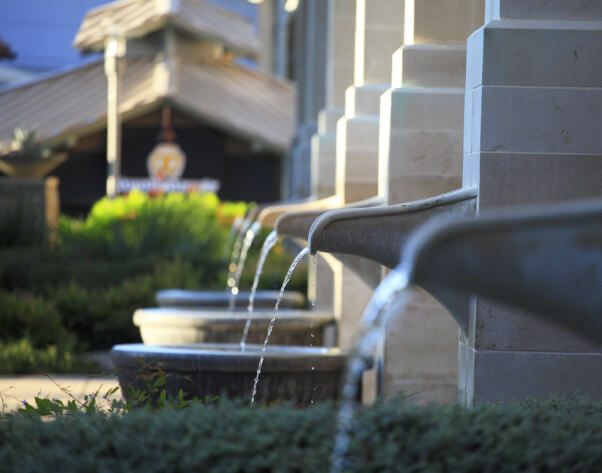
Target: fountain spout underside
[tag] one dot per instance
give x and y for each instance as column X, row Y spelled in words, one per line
column 546, row 260
column 377, row 233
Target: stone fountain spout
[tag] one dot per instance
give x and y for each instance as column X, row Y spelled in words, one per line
column 546, row 261
column 297, row 224
column 268, row 215
column 377, row 233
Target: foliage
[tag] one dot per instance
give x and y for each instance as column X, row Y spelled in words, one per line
column 25, row 144
column 80, row 293
column 21, row 357
column 19, row 227
column 109, row 402
column 28, row 316
column 546, row 437
column 135, row 225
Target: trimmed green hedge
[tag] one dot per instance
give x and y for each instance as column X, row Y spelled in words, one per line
column 549, row 437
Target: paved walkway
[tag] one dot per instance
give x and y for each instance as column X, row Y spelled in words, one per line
column 15, row 389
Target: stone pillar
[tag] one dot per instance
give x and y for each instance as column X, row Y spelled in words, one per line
column 339, row 75
column 32, row 206
column 421, row 132
column 273, row 38
column 379, row 32
column 310, row 75
column 422, row 114
column 532, row 135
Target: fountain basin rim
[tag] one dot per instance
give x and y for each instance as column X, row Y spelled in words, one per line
column 210, row 299
column 230, row 358
column 199, row 317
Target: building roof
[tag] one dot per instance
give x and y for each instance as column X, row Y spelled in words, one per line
column 137, row 18
column 234, row 98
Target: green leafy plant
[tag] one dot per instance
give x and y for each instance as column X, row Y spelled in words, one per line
column 110, row 401
column 21, row 357
column 24, row 143
column 80, row 294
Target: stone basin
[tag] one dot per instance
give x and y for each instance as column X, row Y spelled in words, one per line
column 301, row 375
column 210, row 299
column 178, row 326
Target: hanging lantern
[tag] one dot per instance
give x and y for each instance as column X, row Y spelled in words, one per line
column 167, row 161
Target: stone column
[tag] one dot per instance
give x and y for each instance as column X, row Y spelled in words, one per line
column 422, row 114
column 421, row 133
column 338, row 287
column 339, row 75
column 379, row 32
column 273, row 38
column 532, row 135
column 310, row 74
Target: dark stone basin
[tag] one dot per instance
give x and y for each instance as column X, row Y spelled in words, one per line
column 209, row 299
column 301, row 375
column 178, row 326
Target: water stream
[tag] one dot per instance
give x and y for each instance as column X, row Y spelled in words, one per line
column 236, row 249
column 302, row 254
column 246, row 245
column 267, row 246
column 234, row 232
column 372, row 327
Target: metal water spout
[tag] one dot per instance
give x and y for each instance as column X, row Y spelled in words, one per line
column 377, row 233
column 544, row 260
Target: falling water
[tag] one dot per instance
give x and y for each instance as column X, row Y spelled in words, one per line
column 247, row 242
column 234, row 232
column 372, row 328
column 268, row 244
column 302, row 254
column 244, row 226
column 314, row 258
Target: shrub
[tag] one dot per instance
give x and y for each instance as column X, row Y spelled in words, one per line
column 135, row 225
column 27, row 316
column 20, row 226
column 21, row 357
column 549, row 437
column 80, row 292
column 101, row 318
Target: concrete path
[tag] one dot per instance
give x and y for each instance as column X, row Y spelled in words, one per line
column 15, row 389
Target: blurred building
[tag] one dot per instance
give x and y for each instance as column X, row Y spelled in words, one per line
column 233, row 118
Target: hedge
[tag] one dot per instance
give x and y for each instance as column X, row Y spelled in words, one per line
column 543, row 437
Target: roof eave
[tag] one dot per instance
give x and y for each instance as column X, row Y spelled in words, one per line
column 277, row 147
column 87, row 46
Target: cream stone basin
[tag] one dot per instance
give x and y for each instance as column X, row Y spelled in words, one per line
column 178, row 326
column 301, row 375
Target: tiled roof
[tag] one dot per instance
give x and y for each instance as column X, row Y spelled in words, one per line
column 244, row 102
column 136, row 18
